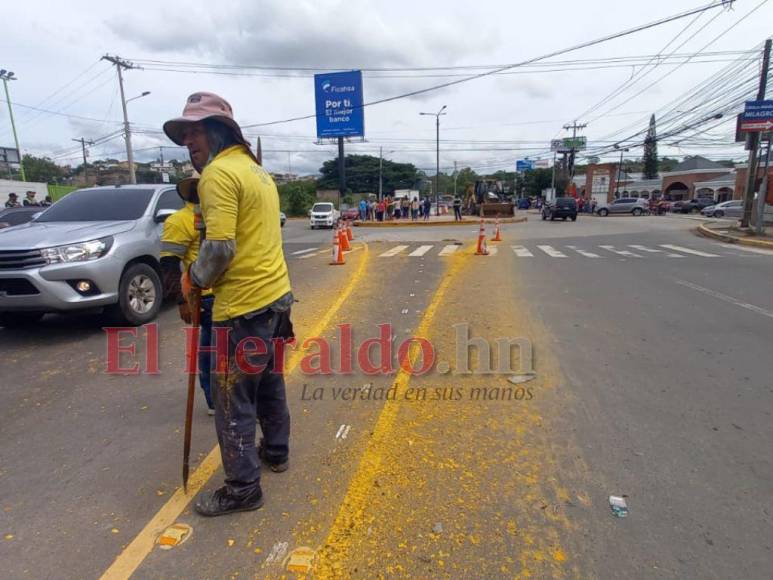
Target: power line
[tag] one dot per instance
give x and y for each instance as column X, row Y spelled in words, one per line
column 576, row 47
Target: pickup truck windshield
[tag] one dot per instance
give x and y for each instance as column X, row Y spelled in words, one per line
column 95, row 205
column 322, row 207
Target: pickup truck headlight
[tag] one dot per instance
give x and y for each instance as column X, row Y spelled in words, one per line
column 81, row 252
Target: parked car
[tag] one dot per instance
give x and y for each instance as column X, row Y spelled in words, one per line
column 324, row 215
column 282, row 218
column 632, row 205
column 14, row 216
column 733, row 208
column 562, row 207
column 691, row 205
column 96, row 247
column 350, row 214
column 524, row 203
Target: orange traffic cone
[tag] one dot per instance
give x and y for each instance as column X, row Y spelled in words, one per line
column 482, row 250
column 349, row 232
column 338, row 253
column 344, row 240
column 497, row 237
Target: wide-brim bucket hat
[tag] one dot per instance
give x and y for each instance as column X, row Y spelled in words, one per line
column 188, row 189
column 200, row 106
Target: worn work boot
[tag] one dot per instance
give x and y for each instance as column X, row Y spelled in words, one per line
column 221, row 502
column 275, row 466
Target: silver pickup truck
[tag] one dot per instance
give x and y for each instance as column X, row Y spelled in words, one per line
column 96, row 247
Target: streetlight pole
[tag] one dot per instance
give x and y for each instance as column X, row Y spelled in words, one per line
column 437, row 159
column 380, row 172
column 8, row 76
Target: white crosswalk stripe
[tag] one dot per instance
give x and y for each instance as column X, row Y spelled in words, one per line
column 654, row 251
column 625, row 253
column 306, row 251
column 762, row 251
column 583, row 252
column 552, row 252
column 522, row 252
column 689, row 251
column 420, row 251
column 563, row 251
column 393, row 252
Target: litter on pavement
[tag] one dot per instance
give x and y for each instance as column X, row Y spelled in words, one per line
column 618, row 505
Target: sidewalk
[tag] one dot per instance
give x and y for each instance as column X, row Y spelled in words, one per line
column 733, row 235
column 443, row 220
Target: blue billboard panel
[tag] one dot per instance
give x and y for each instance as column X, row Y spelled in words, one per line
column 522, row 165
column 338, row 99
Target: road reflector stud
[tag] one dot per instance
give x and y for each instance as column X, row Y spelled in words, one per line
column 174, row 535
column 301, row 560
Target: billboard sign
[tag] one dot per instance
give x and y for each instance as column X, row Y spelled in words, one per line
column 338, row 98
column 567, row 144
column 9, row 155
column 757, row 116
column 522, row 165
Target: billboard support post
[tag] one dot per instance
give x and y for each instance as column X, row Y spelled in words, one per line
column 341, row 171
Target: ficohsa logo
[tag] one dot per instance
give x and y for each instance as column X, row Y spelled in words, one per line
column 326, row 85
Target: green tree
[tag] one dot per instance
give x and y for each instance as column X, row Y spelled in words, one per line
column 297, row 197
column 651, row 152
column 41, row 169
column 362, row 174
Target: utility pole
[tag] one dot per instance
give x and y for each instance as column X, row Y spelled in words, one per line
column 380, row 173
column 763, row 195
column 121, row 64
column 553, row 180
column 456, row 176
column 161, row 156
column 574, row 126
column 83, row 143
column 8, row 76
column 754, row 141
column 619, row 169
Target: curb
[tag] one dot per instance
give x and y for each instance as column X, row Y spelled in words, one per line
column 466, row 222
column 707, row 232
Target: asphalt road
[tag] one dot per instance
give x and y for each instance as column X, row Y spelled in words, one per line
column 650, row 347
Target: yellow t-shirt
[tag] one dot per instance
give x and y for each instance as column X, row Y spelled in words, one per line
column 180, row 237
column 239, row 201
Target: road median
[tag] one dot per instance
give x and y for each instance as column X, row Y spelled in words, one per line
column 732, row 236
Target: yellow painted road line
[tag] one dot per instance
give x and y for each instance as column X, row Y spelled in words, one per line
column 356, row 500
column 133, row 555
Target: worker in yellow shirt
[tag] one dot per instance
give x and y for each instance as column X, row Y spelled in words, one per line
column 179, row 248
column 241, row 259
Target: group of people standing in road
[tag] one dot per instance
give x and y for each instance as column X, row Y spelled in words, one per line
column 389, row 208
column 29, row 200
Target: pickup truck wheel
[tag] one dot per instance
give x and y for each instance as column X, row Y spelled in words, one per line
column 16, row 319
column 718, row 213
column 139, row 296
column 574, row 218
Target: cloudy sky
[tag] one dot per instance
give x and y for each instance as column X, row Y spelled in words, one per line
column 65, row 92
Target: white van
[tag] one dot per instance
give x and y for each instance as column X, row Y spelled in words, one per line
column 323, row 215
